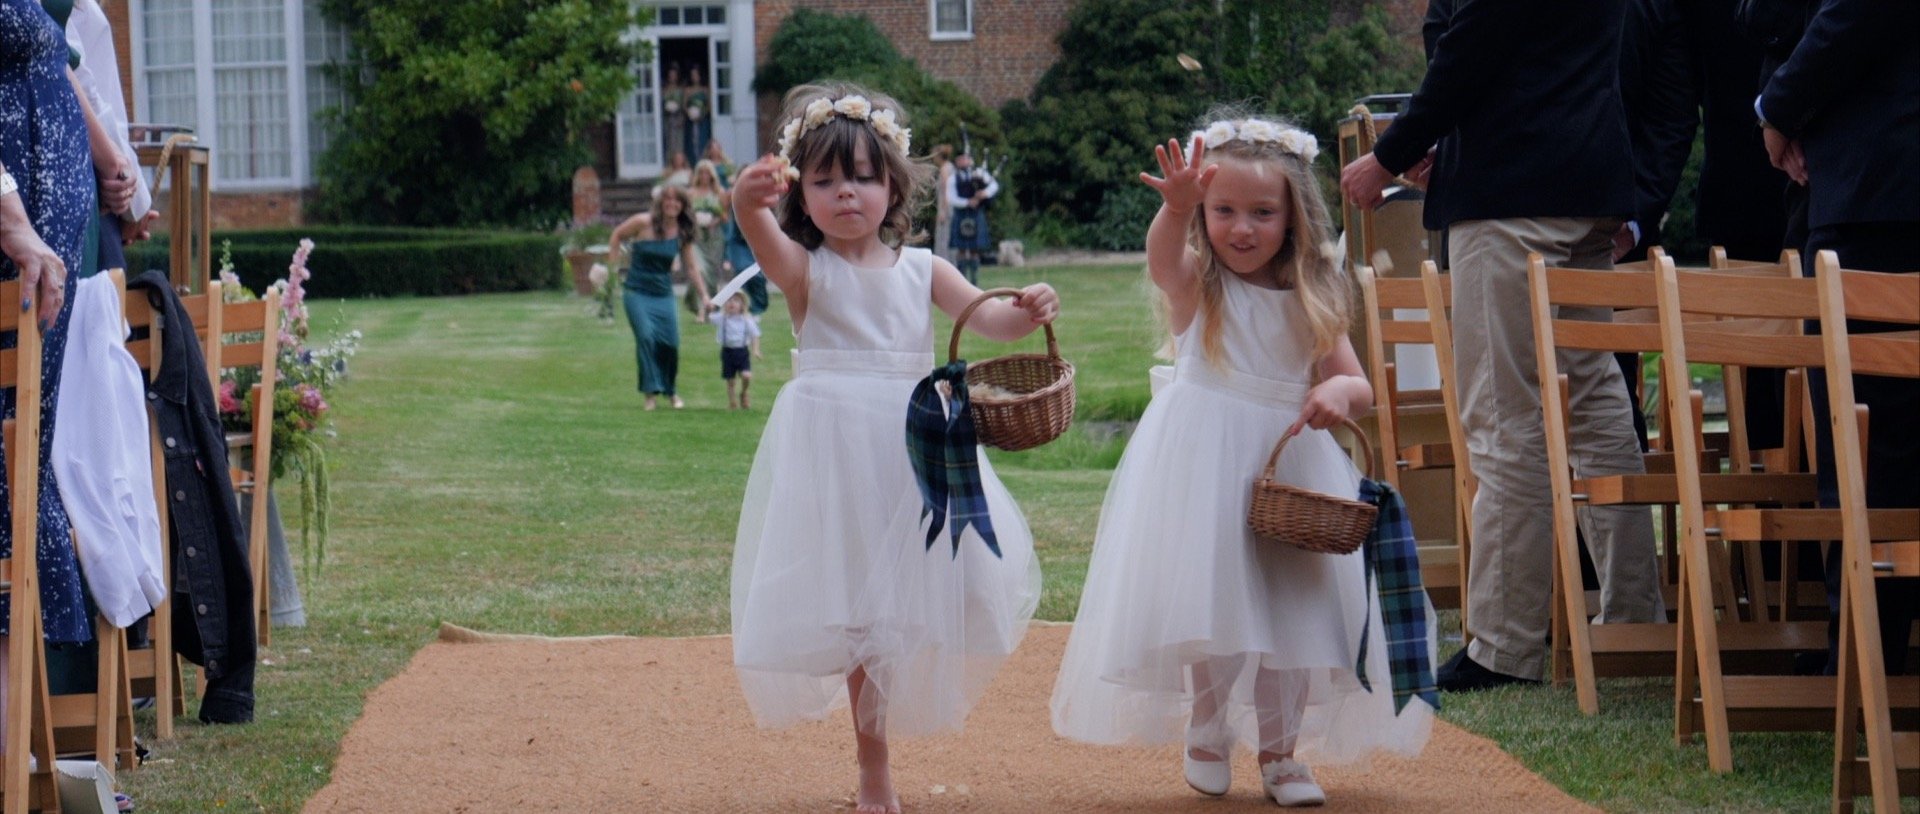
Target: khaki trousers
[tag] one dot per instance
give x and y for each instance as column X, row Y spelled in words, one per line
column 1511, row 573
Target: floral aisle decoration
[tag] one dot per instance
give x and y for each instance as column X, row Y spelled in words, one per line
column 308, row 375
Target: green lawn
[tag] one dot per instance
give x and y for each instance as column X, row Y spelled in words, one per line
column 494, row 469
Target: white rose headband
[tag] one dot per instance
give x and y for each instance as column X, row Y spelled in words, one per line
column 854, row 108
column 1258, row 131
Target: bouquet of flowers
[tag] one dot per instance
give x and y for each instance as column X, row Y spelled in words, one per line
column 606, row 291
column 706, row 212
column 306, row 375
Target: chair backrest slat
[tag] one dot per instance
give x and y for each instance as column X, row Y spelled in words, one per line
column 1880, row 297
column 244, row 317
column 1617, row 288
column 1606, row 336
column 1747, row 295
column 1400, row 292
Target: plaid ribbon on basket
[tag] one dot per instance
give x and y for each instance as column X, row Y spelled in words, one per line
column 1391, row 552
column 945, row 452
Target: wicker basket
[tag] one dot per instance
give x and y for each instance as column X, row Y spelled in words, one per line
column 1307, row 519
column 1043, row 408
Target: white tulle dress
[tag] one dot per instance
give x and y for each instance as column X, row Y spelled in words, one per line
column 1177, row 580
column 830, row 566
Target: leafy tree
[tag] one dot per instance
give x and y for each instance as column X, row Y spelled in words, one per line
column 472, row 113
column 1118, row 89
column 813, row 46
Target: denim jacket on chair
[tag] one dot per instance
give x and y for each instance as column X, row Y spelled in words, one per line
column 213, row 623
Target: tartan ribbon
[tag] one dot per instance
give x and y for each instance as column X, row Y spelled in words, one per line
column 1391, row 553
column 945, row 453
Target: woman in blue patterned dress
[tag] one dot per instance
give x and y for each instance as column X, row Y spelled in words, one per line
column 43, row 145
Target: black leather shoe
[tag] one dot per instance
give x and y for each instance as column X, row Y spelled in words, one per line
column 1462, row 674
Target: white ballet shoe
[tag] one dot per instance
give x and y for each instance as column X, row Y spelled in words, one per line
column 1290, row 783
column 1211, row 777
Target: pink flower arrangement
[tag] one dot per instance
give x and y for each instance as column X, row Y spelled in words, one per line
column 229, row 397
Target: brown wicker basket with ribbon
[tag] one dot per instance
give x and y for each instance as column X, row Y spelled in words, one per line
column 1306, row 519
column 1042, row 406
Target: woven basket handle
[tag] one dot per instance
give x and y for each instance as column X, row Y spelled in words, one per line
column 953, row 346
column 1366, row 447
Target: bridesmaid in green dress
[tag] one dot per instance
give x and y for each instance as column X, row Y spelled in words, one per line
column 659, row 236
column 710, row 209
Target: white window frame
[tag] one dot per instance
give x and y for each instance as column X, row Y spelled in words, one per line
column 301, row 171
column 933, row 22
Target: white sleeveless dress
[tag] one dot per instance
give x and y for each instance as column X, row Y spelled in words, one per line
column 1177, row 578
column 830, row 566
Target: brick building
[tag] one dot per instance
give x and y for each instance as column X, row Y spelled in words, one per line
column 248, row 76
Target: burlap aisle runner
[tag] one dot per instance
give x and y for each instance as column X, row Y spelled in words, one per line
column 512, row 724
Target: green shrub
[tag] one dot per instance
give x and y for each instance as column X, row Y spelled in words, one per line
column 385, row 262
column 471, row 113
column 813, row 46
column 1093, row 119
column 1125, row 214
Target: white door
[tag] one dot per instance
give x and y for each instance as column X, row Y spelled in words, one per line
column 725, row 129
column 637, row 127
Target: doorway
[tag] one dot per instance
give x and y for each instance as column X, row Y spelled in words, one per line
column 686, row 75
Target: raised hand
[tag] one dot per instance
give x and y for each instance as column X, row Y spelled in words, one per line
column 1183, row 183
column 761, row 184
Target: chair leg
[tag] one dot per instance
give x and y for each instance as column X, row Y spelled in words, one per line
column 1847, row 719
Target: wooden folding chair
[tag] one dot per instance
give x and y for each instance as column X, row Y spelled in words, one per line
column 26, row 771
column 1869, row 549
column 1585, row 649
column 1437, row 294
column 1754, row 323
column 99, row 724
column 154, row 671
column 1442, row 562
column 247, row 335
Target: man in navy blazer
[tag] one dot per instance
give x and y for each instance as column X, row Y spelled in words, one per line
column 1536, row 159
column 1842, row 117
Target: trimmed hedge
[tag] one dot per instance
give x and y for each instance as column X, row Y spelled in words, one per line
column 372, row 261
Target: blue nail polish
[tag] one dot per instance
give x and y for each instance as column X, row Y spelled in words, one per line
column 26, row 304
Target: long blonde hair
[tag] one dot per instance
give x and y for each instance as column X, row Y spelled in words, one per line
column 1306, row 260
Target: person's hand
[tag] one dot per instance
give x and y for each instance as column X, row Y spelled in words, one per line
column 1182, row 183
column 1325, row 407
column 42, row 273
column 761, row 184
column 1419, row 174
column 1622, row 242
column 138, row 230
column 1785, row 154
column 116, row 183
column 1040, row 302
column 1364, row 181
column 756, row 354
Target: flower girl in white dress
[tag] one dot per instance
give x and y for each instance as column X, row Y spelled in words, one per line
column 1188, row 626
column 841, row 592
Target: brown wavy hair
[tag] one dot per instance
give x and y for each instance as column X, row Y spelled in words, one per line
column 836, row 143
column 685, row 219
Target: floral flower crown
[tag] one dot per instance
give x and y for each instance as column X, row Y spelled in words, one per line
column 1259, row 131
column 855, row 108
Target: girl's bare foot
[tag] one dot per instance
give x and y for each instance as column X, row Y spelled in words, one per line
column 744, row 405
column 652, row 403
column 876, row 792
column 678, row 404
